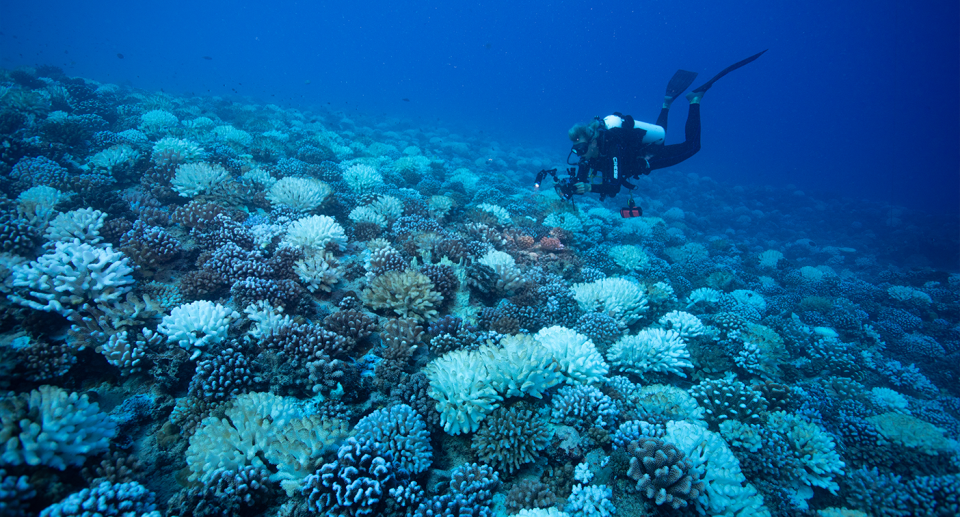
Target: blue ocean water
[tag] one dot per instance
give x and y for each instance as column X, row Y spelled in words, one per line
column 246, row 246
column 854, row 100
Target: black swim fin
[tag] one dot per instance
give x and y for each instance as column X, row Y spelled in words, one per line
column 706, row 86
column 679, row 83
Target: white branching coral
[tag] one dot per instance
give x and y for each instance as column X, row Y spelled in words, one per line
column 703, row 295
column 388, row 206
column 813, row 447
column 503, row 217
column 252, row 423
column 459, row 382
column 520, row 366
column 362, row 178
column 71, row 274
column 769, row 259
column 192, row 179
column 115, row 156
column 686, row 324
column 318, row 272
column 630, row 258
column 51, row 427
column 575, row 353
column 157, row 121
column 36, row 204
column 315, row 233
column 303, row 194
column 727, row 489
column 197, row 324
column 173, row 151
column 509, row 276
column 365, row 214
column 83, row 224
column 440, row 206
column 124, row 354
column 623, row 300
column 233, row 136
column 651, row 350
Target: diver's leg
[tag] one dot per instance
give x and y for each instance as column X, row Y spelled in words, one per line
column 662, row 119
column 670, row 155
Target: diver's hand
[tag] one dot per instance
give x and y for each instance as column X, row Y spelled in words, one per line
column 581, row 188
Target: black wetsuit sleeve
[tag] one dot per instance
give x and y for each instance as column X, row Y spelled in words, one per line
column 583, row 173
column 605, row 189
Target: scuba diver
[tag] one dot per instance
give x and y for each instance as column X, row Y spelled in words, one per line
column 618, row 148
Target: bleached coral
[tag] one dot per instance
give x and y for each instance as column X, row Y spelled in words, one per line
column 266, row 319
column 889, row 400
column 727, row 490
column 36, row 204
column 686, row 324
column 297, row 449
column 576, row 354
column 412, row 164
column 197, row 325
column 173, row 151
column 315, row 233
column 520, row 366
column 233, row 136
column 621, row 299
column 651, row 350
column 912, row 432
column 245, row 435
column 71, row 274
column 565, row 221
column 502, row 215
column 769, row 259
column 122, row 353
column 440, row 206
column 813, row 448
column 114, row 157
column 630, row 258
column 459, row 382
column 303, row 194
column 260, row 177
column 83, row 224
column 193, row 179
column 318, row 272
column 157, row 121
column 590, row 501
column 703, row 295
column 365, row 214
column 908, row 294
column 51, row 427
column 362, row 178
column 388, row 206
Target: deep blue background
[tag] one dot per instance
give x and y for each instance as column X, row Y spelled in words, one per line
column 854, row 98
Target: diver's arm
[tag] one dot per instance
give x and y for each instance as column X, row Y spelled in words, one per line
column 605, row 189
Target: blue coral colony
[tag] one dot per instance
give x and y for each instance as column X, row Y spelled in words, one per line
column 234, row 309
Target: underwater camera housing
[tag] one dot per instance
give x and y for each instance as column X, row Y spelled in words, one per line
column 565, row 187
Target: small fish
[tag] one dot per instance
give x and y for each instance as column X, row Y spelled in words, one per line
column 406, row 99
column 119, row 55
column 208, row 58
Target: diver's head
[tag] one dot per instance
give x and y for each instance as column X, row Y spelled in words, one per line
column 584, row 138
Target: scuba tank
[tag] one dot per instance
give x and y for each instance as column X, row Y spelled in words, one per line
column 654, row 134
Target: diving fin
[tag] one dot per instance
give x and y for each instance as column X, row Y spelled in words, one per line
column 706, row 86
column 679, row 83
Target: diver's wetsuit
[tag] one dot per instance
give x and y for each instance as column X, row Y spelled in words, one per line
column 633, row 158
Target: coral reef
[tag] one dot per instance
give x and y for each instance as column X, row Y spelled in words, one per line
column 216, row 307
